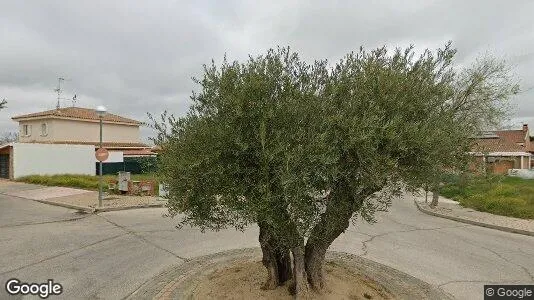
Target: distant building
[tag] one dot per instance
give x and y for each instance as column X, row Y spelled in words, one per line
column 76, row 126
column 499, row 151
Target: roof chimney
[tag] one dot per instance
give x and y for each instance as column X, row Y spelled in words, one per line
column 525, row 127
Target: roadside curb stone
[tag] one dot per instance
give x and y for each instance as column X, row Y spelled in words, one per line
column 179, row 281
column 472, row 222
column 101, row 209
column 88, row 209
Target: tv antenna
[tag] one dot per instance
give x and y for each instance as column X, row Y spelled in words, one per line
column 58, row 90
column 74, row 100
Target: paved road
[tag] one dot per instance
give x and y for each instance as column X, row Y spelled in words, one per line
column 108, row 256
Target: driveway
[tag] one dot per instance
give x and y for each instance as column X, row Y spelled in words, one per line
column 109, row 255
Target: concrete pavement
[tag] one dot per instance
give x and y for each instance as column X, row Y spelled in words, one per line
column 78, row 199
column 110, row 255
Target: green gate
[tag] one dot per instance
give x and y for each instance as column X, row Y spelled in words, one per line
column 4, row 166
column 134, row 165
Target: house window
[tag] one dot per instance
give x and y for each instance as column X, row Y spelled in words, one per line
column 44, row 129
column 26, row 130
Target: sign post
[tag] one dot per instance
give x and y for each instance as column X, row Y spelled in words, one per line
column 101, row 155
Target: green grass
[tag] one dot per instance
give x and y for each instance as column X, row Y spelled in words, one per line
column 501, row 195
column 77, row 181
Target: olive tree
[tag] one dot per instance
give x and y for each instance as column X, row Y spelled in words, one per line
column 302, row 149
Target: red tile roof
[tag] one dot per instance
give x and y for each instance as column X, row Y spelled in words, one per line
column 77, row 113
column 512, row 136
column 138, row 152
column 156, row 148
column 502, row 141
column 496, row 145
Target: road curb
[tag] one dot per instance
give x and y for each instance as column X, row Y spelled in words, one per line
column 95, row 210
column 104, row 209
column 87, row 209
column 66, row 205
column 472, row 222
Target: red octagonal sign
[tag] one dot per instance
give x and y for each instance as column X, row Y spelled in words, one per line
column 101, row 154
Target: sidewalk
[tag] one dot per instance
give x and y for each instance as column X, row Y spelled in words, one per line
column 450, row 209
column 89, row 201
column 76, row 198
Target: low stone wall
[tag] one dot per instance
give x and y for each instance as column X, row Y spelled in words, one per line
column 521, row 173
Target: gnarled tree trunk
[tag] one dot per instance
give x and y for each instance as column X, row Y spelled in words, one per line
column 276, row 260
column 300, row 282
column 307, row 265
column 334, row 221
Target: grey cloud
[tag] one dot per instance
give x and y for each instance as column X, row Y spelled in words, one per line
column 138, row 56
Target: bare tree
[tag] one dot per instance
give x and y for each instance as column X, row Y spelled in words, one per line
column 9, row 138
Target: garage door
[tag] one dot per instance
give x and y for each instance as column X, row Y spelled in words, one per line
column 4, row 166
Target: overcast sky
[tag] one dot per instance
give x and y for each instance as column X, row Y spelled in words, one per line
column 139, row 56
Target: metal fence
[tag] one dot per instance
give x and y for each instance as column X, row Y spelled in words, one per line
column 134, row 165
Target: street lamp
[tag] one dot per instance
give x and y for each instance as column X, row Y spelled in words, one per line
column 101, row 112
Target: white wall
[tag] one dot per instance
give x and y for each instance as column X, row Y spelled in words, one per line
column 79, row 130
column 48, row 159
column 89, row 131
column 522, row 173
column 36, row 134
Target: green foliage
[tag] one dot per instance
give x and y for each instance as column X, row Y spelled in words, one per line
column 273, row 138
column 66, row 180
column 87, row 182
column 507, row 196
column 3, row 103
column 146, row 164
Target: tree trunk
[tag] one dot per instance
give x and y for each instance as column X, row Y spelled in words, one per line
column 435, row 196
column 314, row 262
column 276, row 260
column 300, row 282
column 334, row 221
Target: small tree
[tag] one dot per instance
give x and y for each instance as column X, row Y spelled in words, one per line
column 301, row 149
column 9, row 137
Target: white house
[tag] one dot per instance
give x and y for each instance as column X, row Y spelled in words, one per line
column 69, row 129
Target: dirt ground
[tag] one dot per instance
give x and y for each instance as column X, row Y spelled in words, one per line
column 243, row 280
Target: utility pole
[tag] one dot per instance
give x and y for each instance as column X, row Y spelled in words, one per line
column 101, row 153
column 100, row 194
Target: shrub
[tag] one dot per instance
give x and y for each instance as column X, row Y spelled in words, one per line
column 87, row 182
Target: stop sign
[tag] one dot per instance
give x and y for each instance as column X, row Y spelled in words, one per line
column 101, row 154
